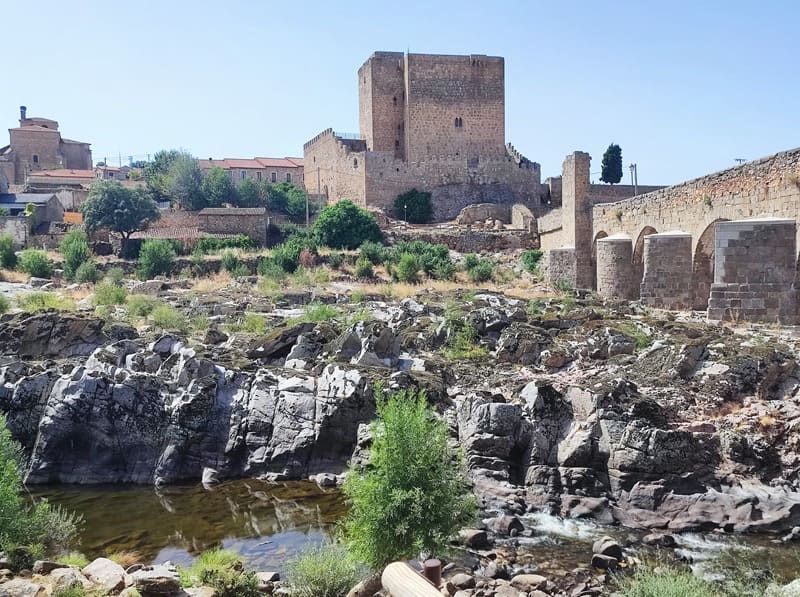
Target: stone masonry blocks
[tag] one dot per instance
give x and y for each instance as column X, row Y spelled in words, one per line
column 754, row 269
column 667, row 279
column 559, row 266
column 615, row 267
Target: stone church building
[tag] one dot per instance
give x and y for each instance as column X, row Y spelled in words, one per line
column 36, row 144
column 431, row 122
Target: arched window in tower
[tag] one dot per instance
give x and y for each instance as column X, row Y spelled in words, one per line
column 35, row 159
column 355, row 162
column 459, row 122
column 394, row 100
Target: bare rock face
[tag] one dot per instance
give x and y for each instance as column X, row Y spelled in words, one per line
column 51, row 334
column 109, row 575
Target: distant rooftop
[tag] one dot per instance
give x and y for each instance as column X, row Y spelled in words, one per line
column 64, row 173
column 233, row 211
column 254, row 163
column 24, row 198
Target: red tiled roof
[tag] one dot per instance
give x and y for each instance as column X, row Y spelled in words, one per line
column 179, row 232
column 64, row 173
column 254, row 164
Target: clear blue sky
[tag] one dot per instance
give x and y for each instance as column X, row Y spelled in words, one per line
column 683, row 87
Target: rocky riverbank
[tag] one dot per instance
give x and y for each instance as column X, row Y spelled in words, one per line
column 563, row 405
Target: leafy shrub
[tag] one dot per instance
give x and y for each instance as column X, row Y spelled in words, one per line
column 470, row 261
column 106, row 293
column 87, row 273
column 168, row 318
column 156, row 258
column 240, row 271
column 71, row 591
column 665, row 581
column 229, row 260
column 287, row 254
column 222, row 570
column 42, row 301
column 140, row 305
column 414, row 495
column 316, row 312
column 211, row 245
column 35, row 263
column 481, row 272
column 115, row 275
column 335, row 260
column 414, row 206
column 271, row 270
column 253, row 323
column 444, row 270
column 531, row 259
column 562, row 285
column 8, row 258
column 344, row 225
column 27, row 530
column 75, row 249
column 463, row 343
column 322, row 571
column 407, row 269
column 364, row 268
column 5, row 304
column 376, row 253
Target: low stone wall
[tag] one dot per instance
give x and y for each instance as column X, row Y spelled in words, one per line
column 482, row 212
column 560, row 266
column 468, row 240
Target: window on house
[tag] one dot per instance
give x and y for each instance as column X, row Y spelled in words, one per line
column 243, row 174
column 355, row 163
column 288, row 177
column 35, row 159
column 274, row 177
column 258, row 175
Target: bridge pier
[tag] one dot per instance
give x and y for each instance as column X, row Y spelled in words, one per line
column 754, row 271
column 615, row 267
column 667, row 279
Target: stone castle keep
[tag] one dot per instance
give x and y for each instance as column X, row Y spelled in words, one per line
column 430, row 122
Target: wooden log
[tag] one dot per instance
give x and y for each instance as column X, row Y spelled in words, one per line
column 401, row 580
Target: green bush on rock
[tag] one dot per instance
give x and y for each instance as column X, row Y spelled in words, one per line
column 222, row 570
column 322, row 571
column 156, row 258
column 413, row 496
column 35, row 263
column 344, row 225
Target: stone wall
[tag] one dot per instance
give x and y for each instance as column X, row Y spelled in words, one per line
column 18, row 227
column 381, row 102
column 754, row 269
column 480, row 212
column 550, row 228
column 464, row 240
column 252, row 222
column 608, row 193
column 335, row 169
column 560, row 266
column 522, row 218
column 615, row 267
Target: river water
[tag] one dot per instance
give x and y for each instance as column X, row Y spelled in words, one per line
column 268, row 523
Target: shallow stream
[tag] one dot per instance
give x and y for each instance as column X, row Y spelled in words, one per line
column 269, row 523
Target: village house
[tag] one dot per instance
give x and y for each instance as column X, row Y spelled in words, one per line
column 37, row 145
column 272, row 170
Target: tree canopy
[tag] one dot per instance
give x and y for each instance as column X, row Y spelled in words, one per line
column 217, row 187
column 111, row 206
column 612, row 164
column 414, row 206
column 344, row 225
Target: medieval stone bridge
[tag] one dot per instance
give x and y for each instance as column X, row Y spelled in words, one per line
column 768, row 187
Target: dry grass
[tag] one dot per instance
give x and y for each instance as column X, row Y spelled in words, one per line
column 10, row 275
column 212, row 283
column 79, row 293
column 127, row 558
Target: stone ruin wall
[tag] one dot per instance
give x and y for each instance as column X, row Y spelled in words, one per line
column 338, row 167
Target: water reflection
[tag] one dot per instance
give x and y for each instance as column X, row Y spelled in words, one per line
column 266, row 523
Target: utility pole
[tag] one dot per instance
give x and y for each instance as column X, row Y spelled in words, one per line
column 634, row 178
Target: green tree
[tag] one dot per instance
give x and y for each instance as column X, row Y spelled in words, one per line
column 344, row 225
column 414, row 206
column 612, row 164
column 75, row 249
column 8, row 257
column 296, row 199
column 251, row 193
column 217, row 188
column 413, row 496
column 185, row 181
column 156, row 173
column 111, row 206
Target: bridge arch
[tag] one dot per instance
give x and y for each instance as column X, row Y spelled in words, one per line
column 638, row 257
column 703, row 266
column 597, row 237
